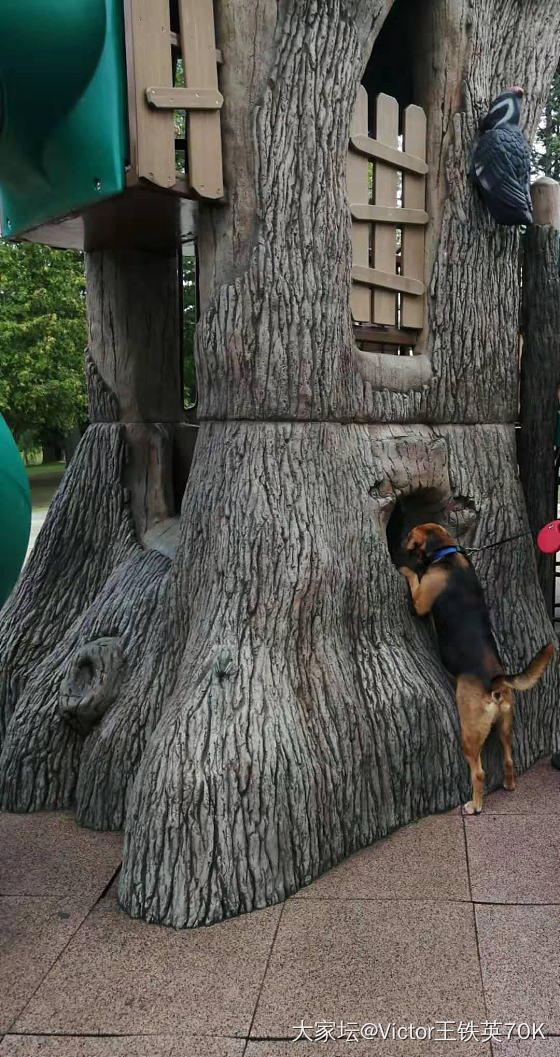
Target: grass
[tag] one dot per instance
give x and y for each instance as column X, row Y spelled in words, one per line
column 43, row 482
column 48, row 469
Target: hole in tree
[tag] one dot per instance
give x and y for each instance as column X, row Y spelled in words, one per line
column 85, row 674
column 415, row 508
column 391, row 321
column 390, row 67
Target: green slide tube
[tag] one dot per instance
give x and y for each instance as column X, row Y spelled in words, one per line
column 15, row 512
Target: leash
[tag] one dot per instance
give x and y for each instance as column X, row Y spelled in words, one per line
column 508, row 539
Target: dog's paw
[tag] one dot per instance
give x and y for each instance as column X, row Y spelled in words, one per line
column 509, row 784
column 471, row 808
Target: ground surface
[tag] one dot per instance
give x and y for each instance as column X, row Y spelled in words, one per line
column 452, row 919
column 43, row 482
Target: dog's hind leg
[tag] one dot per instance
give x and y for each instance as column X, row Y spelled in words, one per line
column 477, row 712
column 474, row 806
column 504, row 727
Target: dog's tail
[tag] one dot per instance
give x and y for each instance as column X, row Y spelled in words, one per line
column 525, row 680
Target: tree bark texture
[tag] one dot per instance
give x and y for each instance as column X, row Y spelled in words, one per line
column 299, row 360
column 120, row 479
column 311, row 713
column 264, row 702
column 540, row 378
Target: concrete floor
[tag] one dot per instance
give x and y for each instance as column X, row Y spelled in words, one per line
column 452, row 924
column 37, row 521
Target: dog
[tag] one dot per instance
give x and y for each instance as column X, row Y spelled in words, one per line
column 445, row 585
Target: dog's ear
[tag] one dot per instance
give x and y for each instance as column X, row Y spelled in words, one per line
column 415, row 540
column 435, row 538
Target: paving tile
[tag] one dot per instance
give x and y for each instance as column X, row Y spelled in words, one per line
column 33, row 932
column 537, row 793
column 48, row 854
column 120, row 976
column 119, row 1046
column 368, row 1049
column 357, row 961
column 514, row 858
column 521, row 1048
column 520, row 958
column 436, row 849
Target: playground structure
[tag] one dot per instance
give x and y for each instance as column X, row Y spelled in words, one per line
column 71, row 179
column 15, row 503
column 388, row 297
column 263, row 700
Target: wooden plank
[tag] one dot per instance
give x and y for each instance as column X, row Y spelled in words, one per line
column 389, row 214
column 184, row 98
column 385, row 350
column 414, row 197
column 131, row 174
column 358, row 190
column 151, row 51
column 385, row 194
column 175, row 39
column 398, row 158
column 374, row 277
column 204, row 136
column 387, row 337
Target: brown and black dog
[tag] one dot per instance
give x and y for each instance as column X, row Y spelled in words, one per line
column 447, row 587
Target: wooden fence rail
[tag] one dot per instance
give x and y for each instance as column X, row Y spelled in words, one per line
column 152, row 96
column 388, row 291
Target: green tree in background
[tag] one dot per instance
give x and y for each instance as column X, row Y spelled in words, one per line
column 546, row 154
column 189, row 327
column 42, row 341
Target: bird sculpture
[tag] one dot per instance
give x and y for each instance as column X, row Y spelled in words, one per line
column 501, row 163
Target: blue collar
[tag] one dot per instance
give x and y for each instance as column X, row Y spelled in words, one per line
column 443, row 552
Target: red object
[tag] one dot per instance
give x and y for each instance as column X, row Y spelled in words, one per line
column 548, row 539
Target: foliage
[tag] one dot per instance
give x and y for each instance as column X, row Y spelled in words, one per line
column 546, row 154
column 42, row 341
column 180, row 120
column 43, row 335
column 189, row 266
column 189, row 326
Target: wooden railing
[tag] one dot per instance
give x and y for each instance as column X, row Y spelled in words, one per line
column 152, row 50
column 388, row 224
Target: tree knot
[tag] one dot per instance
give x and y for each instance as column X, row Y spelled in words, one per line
column 91, row 684
column 223, row 665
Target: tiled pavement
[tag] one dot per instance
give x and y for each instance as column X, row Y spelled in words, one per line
column 451, row 919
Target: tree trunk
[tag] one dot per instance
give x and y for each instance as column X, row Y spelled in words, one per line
column 52, row 452
column 117, row 486
column 540, row 371
column 266, row 703
column 71, row 441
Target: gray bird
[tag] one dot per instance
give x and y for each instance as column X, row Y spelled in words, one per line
column 501, row 164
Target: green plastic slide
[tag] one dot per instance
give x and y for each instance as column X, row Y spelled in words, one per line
column 63, row 116
column 15, row 512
